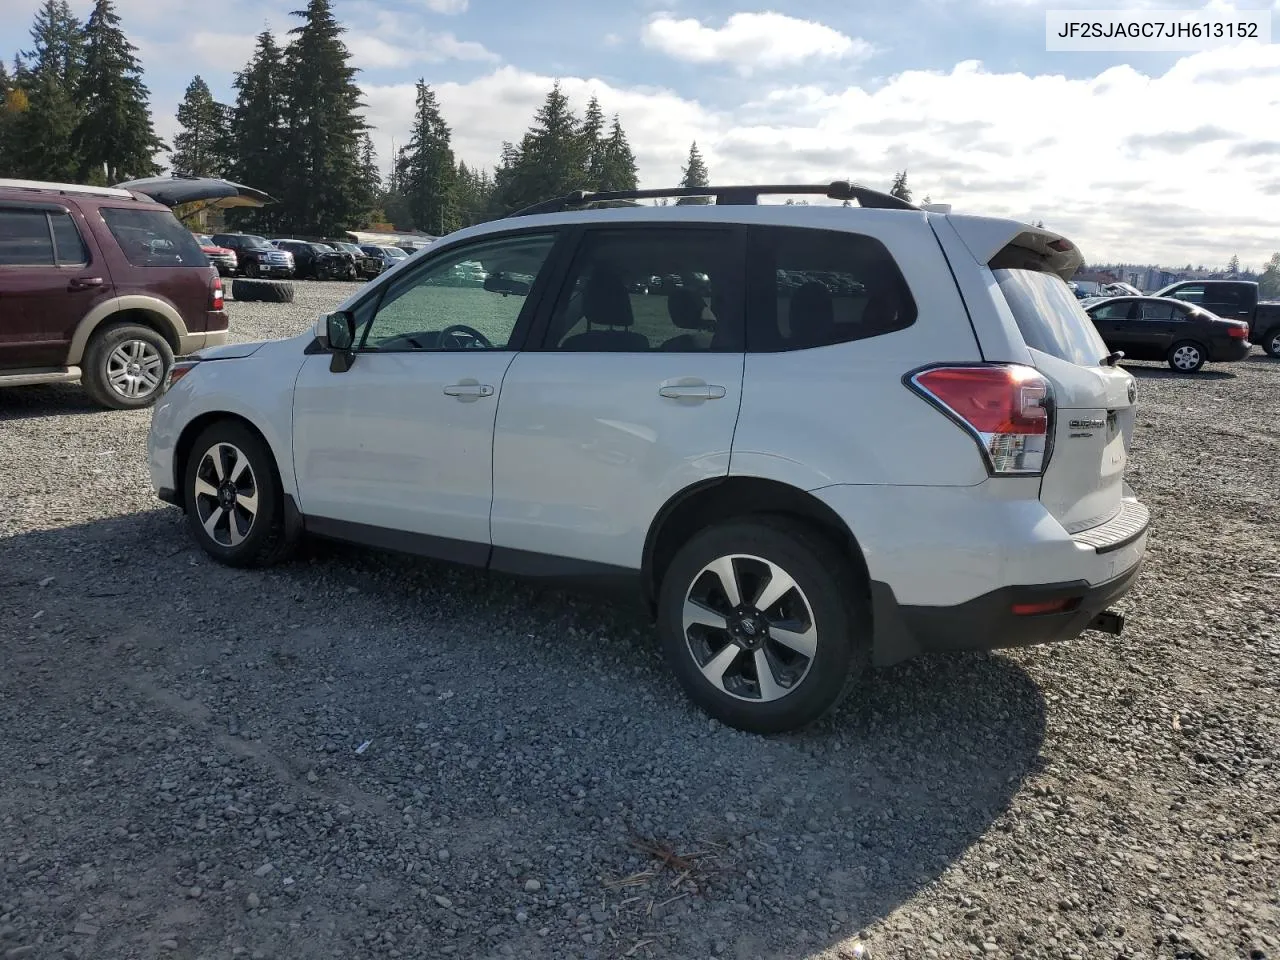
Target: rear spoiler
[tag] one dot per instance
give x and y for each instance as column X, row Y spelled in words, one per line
column 1011, row 244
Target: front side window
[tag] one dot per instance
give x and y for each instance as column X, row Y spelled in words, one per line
column 1113, row 311
column 642, row 289
column 153, row 238
column 432, row 309
column 829, row 286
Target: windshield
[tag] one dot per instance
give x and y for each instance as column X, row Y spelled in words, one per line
column 395, row 253
column 321, row 248
column 1050, row 317
column 257, row 243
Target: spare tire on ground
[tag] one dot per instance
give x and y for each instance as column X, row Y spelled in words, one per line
column 265, row 291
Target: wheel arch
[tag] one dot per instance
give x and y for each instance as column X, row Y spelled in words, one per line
column 149, row 312
column 713, row 501
column 193, row 429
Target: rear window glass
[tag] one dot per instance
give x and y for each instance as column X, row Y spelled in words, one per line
column 1050, row 317
column 153, row 238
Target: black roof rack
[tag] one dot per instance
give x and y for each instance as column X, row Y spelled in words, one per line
column 836, row 190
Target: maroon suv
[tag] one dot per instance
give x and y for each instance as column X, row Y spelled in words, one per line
column 100, row 285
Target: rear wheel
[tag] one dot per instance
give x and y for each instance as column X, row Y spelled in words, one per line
column 125, row 366
column 1271, row 342
column 763, row 623
column 1186, row 357
column 233, row 499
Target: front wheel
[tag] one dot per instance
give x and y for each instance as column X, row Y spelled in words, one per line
column 1186, row 357
column 1271, row 342
column 764, row 623
column 234, row 504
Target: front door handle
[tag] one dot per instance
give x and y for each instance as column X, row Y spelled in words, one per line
column 692, row 391
column 84, row 283
column 468, row 390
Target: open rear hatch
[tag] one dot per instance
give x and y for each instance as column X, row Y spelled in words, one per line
column 1092, row 398
column 207, row 191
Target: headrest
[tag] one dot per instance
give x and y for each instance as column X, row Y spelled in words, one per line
column 812, row 314
column 685, row 310
column 606, row 301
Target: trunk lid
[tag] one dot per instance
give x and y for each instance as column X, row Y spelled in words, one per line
column 175, row 191
column 1093, row 401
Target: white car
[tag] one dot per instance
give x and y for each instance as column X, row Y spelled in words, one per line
column 872, row 433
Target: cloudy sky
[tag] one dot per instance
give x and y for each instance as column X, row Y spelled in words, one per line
column 1143, row 157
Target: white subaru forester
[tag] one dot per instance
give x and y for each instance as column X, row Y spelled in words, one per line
column 813, row 438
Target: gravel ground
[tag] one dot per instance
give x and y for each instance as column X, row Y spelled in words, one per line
column 360, row 755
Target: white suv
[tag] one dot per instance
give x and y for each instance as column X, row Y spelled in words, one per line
column 813, row 438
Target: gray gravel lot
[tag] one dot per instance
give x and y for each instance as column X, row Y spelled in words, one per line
column 180, row 772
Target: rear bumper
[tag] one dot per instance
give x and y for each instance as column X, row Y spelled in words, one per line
column 1228, row 350
column 988, row 622
column 198, row 341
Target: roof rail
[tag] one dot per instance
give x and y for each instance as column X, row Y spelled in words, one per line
column 67, row 188
column 739, row 195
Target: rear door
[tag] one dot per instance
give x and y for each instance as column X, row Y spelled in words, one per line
column 51, row 275
column 1157, row 327
column 632, row 397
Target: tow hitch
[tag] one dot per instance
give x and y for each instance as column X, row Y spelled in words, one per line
column 1107, row 622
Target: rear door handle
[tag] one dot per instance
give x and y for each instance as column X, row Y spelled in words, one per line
column 84, row 283
column 692, row 391
column 468, row 390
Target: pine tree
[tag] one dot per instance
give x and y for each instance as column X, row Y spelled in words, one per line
column 425, row 168
column 900, row 188
column 618, row 163
column 198, row 151
column 41, row 107
column 593, row 146
column 114, row 135
column 474, row 195
column 1269, row 282
column 258, row 132
column 321, row 195
column 1233, row 265
column 695, row 175
column 549, row 161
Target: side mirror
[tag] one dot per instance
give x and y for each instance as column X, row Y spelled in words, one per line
column 340, row 331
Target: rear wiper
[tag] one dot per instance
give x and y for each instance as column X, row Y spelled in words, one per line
column 1111, row 359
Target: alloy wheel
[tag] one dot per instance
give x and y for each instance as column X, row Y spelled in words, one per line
column 749, row 628
column 135, row 369
column 226, row 494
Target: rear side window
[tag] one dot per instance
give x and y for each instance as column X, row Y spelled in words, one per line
column 813, row 288
column 1158, row 311
column 70, row 249
column 1050, row 317
column 153, row 238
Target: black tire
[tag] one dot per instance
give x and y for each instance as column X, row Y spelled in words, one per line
column 263, row 536
column 264, row 291
column 102, row 363
column 831, row 599
column 250, row 270
column 1186, row 356
column 1271, row 342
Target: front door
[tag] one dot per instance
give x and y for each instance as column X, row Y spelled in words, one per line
column 1112, row 323
column 397, row 450
column 48, row 282
column 632, row 397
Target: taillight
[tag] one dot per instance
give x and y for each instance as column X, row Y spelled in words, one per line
column 1006, row 408
column 216, row 302
column 178, row 371
column 1238, row 331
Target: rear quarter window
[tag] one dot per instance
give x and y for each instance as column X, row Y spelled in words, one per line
column 814, row 288
column 153, row 238
column 1049, row 316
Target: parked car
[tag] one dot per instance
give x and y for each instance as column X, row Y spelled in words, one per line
column 366, row 266
column 1159, row 328
column 223, row 258
column 318, row 261
column 1234, row 300
column 257, row 257
column 798, row 483
column 100, row 285
column 387, row 256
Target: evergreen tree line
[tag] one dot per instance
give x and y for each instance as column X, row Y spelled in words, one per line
column 74, row 107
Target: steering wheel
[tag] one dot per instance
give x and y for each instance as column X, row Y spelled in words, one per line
column 478, row 338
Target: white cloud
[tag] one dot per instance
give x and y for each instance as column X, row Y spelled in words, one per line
column 751, row 40
column 386, row 40
column 446, row 6
column 1102, row 159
